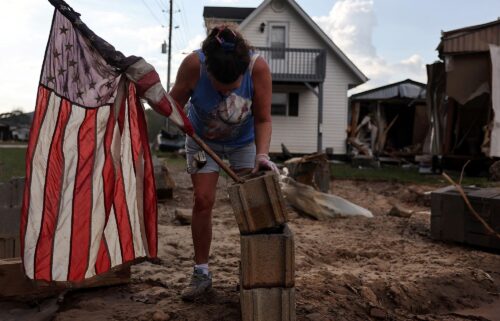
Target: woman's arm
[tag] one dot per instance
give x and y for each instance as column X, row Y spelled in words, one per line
column 187, row 77
column 261, row 105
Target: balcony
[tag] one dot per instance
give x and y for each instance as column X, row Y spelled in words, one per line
column 294, row 64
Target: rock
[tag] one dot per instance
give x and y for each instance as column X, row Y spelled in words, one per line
column 378, row 313
column 159, row 315
column 367, row 294
column 400, row 212
column 183, row 216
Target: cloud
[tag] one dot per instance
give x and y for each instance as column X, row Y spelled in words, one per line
column 351, row 24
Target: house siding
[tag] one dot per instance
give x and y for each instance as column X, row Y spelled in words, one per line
column 299, row 134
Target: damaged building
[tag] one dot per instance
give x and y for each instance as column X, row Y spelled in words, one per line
column 391, row 120
column 464, row 96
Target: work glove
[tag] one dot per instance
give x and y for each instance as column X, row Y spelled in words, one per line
column 263, row 162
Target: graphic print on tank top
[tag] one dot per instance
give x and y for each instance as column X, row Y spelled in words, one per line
column 224, row 121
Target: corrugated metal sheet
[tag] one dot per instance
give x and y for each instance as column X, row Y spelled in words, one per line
column 470, row 39
column 404, row 89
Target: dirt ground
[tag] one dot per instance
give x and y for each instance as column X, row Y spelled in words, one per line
column 381, row 268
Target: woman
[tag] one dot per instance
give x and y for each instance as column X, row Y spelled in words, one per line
column 229, row 92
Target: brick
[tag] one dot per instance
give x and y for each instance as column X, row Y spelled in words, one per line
column 275, row 304
column 268, row 260
column 258, row 203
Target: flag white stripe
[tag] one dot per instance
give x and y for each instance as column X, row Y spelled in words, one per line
column 62, row 237
column 98, row 211
column 37, row 188
column 112, row 240
column 130, row 184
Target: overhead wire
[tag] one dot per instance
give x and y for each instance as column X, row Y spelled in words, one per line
column 152, row 13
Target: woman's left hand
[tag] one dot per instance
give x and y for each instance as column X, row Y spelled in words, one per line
column 263, row 162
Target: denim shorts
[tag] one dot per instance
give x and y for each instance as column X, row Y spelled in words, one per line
column 239, row 157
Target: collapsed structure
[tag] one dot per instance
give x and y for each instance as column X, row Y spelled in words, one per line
column 391, row 119
column 463, row 95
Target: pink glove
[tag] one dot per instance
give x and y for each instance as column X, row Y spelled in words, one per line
column 262, row 161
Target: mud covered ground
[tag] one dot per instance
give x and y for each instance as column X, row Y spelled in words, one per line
column 383, row 268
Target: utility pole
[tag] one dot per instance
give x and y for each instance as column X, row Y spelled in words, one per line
column 169, row 44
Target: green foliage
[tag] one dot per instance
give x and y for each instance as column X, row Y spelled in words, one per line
column 11, row 163
column 401, row 175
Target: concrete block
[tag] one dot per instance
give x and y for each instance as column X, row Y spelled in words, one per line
column 258, row 203
column 275, row 304
column 268, row 260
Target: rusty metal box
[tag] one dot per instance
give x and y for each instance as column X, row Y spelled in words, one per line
column 258, row 203
column 268, row 260
column 451, row 219
column 275, row 304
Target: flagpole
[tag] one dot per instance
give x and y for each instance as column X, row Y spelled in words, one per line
column 169, row 44
column 169, row 55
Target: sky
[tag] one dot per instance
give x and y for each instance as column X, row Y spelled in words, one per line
column 388, row 40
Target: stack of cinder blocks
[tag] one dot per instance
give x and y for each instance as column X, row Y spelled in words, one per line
column 11, row 197
column 267, row 269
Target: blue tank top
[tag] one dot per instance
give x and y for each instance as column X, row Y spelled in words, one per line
column 222, row 119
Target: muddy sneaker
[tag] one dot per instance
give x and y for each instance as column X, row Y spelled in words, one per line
column 200, row 284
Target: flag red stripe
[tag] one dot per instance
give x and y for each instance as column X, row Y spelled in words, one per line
column 82, row 201
column 120, row 201
column 103, row 262
column 147, row 81
column 52, row 196
column 149, row 193
column 123, row 219
column 40, row 109
column 133, row 125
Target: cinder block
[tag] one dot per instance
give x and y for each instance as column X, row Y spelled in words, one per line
column 258, row 203
column 268, row 260
column 275, row 304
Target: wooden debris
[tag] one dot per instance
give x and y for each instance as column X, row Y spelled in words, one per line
column 319, row 205
column 312, row 170
column 165, row 184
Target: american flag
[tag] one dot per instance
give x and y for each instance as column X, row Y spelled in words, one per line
column 89, row 201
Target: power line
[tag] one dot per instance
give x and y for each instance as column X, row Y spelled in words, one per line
column 152, row 13
column 160, row 6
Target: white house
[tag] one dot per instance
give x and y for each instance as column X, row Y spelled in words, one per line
column 311, row 75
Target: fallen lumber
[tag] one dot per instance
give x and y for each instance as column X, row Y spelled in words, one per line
column 319, row 205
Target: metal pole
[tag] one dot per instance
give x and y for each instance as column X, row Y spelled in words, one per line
column 169, row 44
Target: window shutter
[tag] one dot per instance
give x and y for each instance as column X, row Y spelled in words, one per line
column 293, row 104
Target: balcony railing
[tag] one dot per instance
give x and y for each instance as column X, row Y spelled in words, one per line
column 294, row 64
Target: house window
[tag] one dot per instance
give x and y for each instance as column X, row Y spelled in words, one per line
column 285, row 104
column 278, row 42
